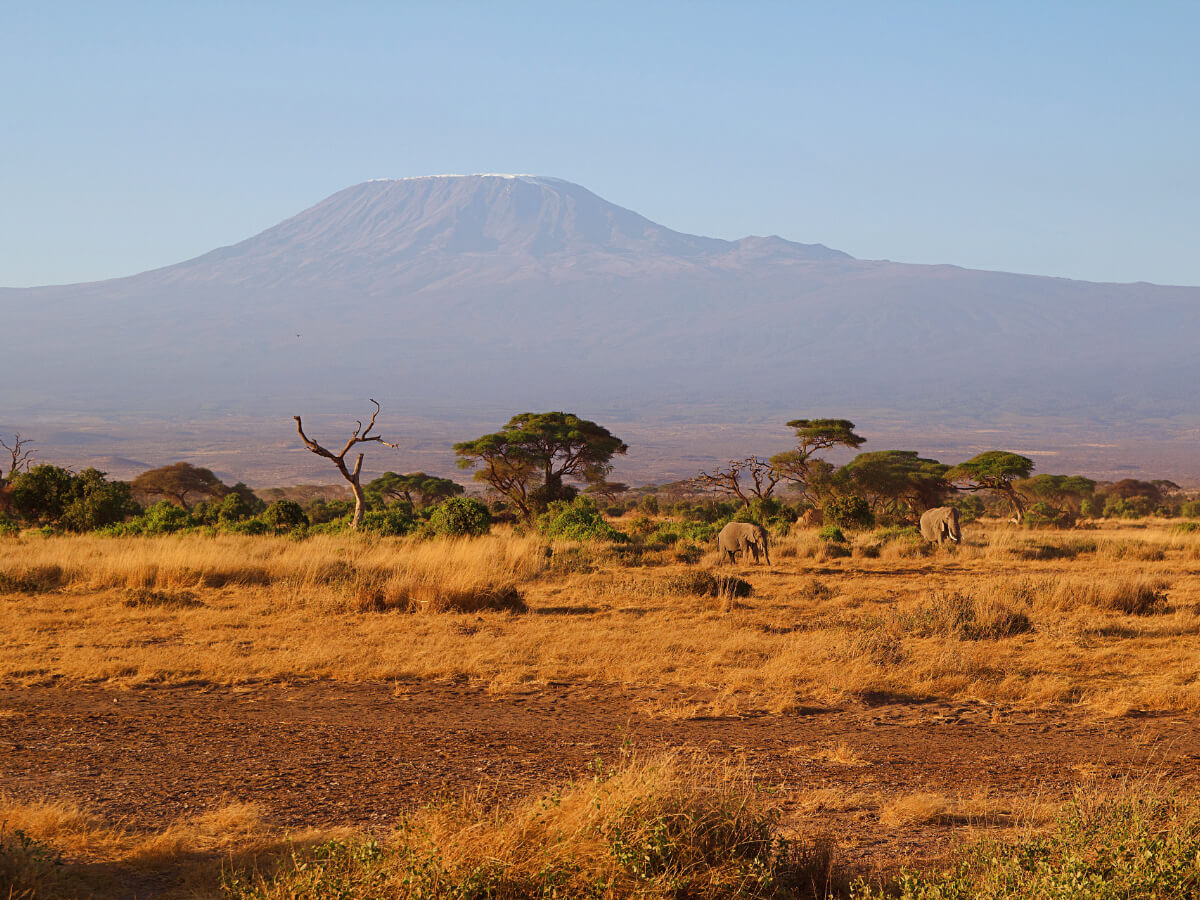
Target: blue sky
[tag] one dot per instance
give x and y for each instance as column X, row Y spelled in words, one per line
column 1056, row 139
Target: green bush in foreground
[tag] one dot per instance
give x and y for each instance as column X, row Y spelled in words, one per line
column 850, row 511
column 1099, row 850
column 460, row 517
column 577, row 520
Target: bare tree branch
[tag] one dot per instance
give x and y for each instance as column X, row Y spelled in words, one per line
column 728, row 482
column 21, row 454
column 360, row 436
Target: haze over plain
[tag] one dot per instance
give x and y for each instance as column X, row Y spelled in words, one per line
column 1050, row 142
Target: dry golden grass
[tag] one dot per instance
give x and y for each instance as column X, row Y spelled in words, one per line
column 78, row 854
column 979, row 810
column 1108, row 618
column 668, row 825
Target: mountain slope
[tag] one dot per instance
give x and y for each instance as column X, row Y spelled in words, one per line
column 500, row 293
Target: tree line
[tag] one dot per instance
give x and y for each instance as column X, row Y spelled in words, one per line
column 551, row 471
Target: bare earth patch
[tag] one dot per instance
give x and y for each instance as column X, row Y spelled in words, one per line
column 360, row 755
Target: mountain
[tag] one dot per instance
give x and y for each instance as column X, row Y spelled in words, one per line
column 484, row 295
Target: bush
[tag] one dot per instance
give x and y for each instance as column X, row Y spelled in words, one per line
column 391, row 521
column 236, row 507
column 906, row 533
column 164, row 517
column 58, row 497
column 577, row 520
column 251, row 527
column 970, row 508
column 1043, row 515
column 670, row 533
column 462, row 516
column 967, row 617
column 1100, row 848
column 1128, row 507
column 1190, row 509
column 283, row 515
column 832, row 534
column 323, row 511
column 850, row 511
column 671, row 826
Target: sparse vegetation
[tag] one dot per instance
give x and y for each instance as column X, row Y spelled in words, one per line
column 544, row 586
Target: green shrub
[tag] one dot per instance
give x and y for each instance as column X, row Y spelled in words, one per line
column 1043, row 515
column 323, row 511
column 164, row 517
column 1128, row 507
column 285, row 515
column 251, row 527
column 1180, row 528
column 1190, row 509
column 907, row 533
column 832, row 534
column 391, row 521
column 577, row 520
column 1099, row 849
column 49, row 495
column 670, row 533
column 850, row 511
column 235, row 507
column 969, row 508
column 462, row 516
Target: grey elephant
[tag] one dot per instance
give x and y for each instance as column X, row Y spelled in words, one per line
column 941, row 524
column 740, row 537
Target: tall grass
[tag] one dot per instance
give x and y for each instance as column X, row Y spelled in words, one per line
column 976, row 621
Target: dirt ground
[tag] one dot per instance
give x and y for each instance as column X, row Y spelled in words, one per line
column 324, row 753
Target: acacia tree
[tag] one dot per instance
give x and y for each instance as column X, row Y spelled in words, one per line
column 352, row 475
column 529, row 459
column 21, row 454
column 761, row 479
column 896, row 477
column 178, row 481
column 1065, row 493
column 994, row 470
column 813, row 436
column 419, row 489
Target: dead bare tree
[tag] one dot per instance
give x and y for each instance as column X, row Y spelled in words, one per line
column 360, row 436
column 21, row 454
column 728, row 481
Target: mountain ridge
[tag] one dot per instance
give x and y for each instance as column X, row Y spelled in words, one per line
column 535, row 292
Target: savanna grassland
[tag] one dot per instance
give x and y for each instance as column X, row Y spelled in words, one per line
column 643, row 720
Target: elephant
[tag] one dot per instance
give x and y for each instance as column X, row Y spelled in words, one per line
column 737, row 537
column 941, row 523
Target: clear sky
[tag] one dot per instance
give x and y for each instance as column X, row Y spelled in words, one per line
column 1055, row 138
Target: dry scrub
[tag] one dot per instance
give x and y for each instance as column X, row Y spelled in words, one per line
column 664, row 826
column 1110, row 620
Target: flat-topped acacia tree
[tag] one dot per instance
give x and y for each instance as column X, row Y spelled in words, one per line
column 812, row 436
column 529, row 458
column 359, row 436
column 994, row 470
column 178, row 481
